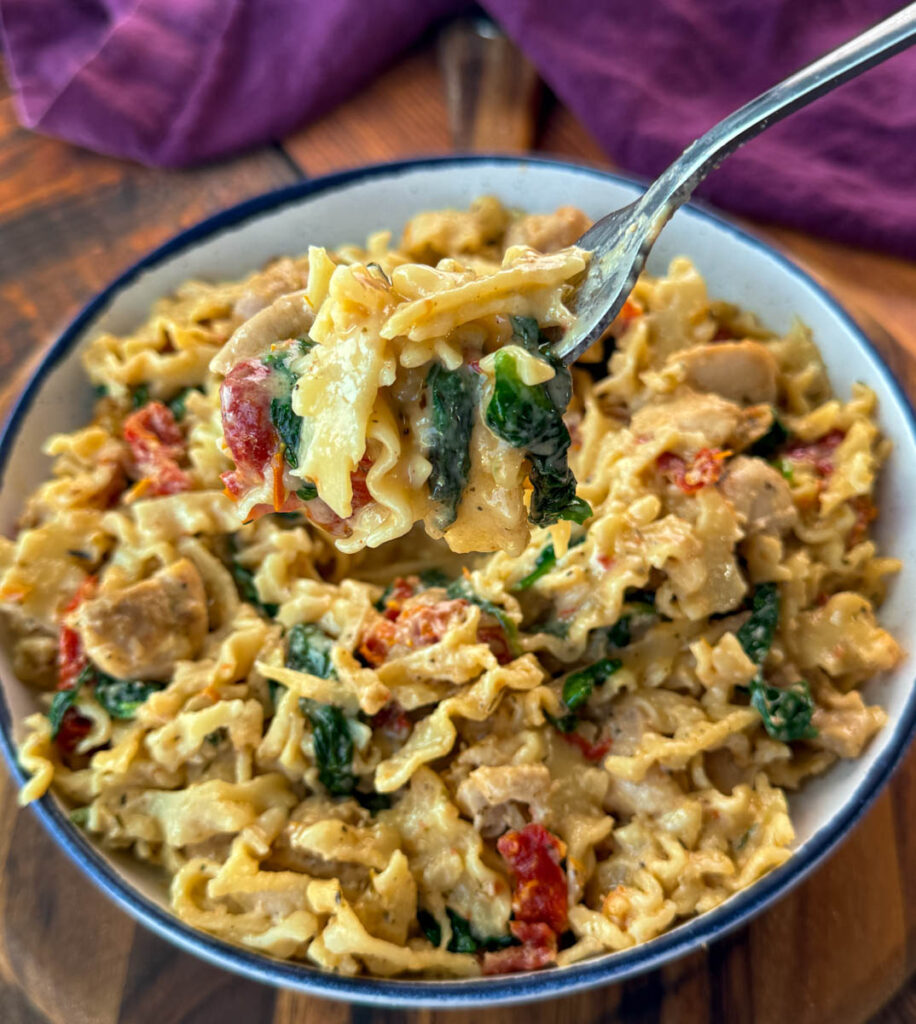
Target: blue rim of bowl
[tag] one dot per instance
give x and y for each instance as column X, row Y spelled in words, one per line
column 505, row 989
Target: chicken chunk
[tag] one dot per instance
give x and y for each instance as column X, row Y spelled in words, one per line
column 278, row 279
column 846, row 726
column 286, row 317
column 142, row 631
column 741, row 371
column 491, row 795
column 759, row 494
column 719, row 423
column 548, row 232
column 436, row 233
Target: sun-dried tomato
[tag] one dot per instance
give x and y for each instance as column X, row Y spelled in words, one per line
column 590, row 751
column 538, row 949
column 157, row 444
column 866, row 513
column 703, row 469
column 419, row 625
column 71, row 659
column 73, row 728
column 534, row 857
column 818, row 454
column 401, row 590
column 392, row 720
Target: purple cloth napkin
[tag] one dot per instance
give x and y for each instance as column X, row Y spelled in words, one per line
column 173, row 82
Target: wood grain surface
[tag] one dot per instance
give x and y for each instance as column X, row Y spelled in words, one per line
column 839, row 949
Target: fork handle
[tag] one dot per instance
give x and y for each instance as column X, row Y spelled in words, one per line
column 675, row 186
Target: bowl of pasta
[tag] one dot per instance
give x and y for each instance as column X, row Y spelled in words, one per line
column 355, row 644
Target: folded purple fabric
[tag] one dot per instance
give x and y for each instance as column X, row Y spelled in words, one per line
column 173, row 82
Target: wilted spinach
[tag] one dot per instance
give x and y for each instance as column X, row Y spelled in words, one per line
column 309, row 650
column 786, row 711
column 453, row 396
column 530, row 417
column 333, row 746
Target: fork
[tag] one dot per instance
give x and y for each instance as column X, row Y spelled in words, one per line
column 621, row 241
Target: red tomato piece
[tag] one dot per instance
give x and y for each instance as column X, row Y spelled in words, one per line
column 156, row 444
column 818, row 454
column 245, row 404
column 401, row 590
column 533, row 855
column 73, row 728
column 538, row 949
column 71, row 659
column 866, row 513
column 491, row 633
column 590, row 751
column 421, row 625
column 393, row 721
column 704, row 468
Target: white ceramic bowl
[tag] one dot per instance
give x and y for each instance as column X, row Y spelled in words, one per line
column 344, row 208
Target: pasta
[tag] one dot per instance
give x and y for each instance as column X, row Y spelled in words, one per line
column 435, row 710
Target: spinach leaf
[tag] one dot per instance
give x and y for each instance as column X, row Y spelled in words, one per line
column 333, row 746
column 286, row 423
column 244, row 581
column 526, row 329
column 530, row 417
column 430, row 927
column 565, row 723
column 177, row 404
column 140, row 396
column 786, row 469
column 464, row 941
column 100, row 390
column 786, row 712
column 578, row 686
column 544, row 562
column 461, row 589
column 121, row 697
column 453, row 400
column 433, row 578
column 639, row 596
column 767, row 446
column 619, row 634
column 289, row 428
column 307, row 492
column 61, row 703
column 756, row 635
column 373, row 802
column 309, row 650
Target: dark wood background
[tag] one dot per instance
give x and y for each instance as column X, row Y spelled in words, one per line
column 838, row 949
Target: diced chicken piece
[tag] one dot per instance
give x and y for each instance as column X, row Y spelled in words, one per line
column 491, row 795
column 720, row 423
column 286, row 317
column 759, row 494
column 548, row 232
column 278, row 279
column 142, row 631
column 847, row 725
column 436, row 233
column 741, row 371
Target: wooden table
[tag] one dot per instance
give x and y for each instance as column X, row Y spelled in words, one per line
column 835, row 950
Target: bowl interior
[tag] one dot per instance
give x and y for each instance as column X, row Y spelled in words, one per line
column 346, row 209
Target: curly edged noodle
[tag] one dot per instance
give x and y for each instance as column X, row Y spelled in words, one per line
column 330, row 746
column 393, row 373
